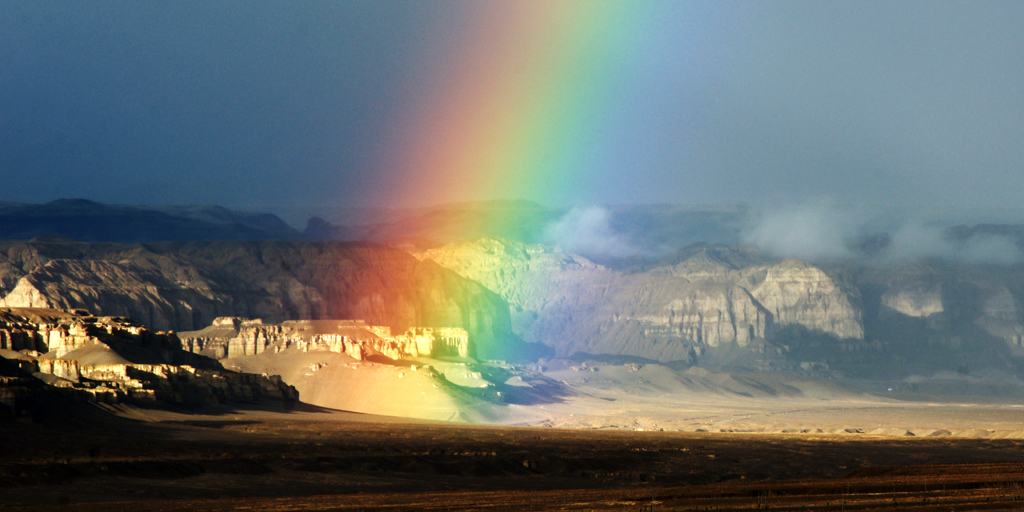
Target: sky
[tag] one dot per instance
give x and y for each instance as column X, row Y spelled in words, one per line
column 271, row 106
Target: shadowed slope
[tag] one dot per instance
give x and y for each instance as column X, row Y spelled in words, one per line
column 184, row 286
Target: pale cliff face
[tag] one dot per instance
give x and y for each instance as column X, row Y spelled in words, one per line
column 121, row 288
column 707, row 304
column 546, row 289
column 668, row 313
column 722, row 306
column 1001, row 317
column 113, row 360
column 235, row 337
column 919, row 302
column 797, row 293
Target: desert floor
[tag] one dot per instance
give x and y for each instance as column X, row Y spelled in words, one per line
column 965, row 457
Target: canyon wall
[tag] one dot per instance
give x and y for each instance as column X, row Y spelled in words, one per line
column 185, row 286
column 232, row 337
column 731, row 306
column 113, row 360
column 669, row 312
column 693, row 306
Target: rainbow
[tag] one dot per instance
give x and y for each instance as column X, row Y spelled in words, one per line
column 518, row 105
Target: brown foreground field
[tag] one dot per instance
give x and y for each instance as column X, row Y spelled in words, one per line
column 316, row 459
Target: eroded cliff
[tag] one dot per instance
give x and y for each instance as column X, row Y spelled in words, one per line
column 707, row 300
column 234, row 337
column 114, row 360
column 185, row 286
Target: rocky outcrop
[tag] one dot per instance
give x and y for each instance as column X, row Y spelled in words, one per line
column 1001, row 317
column 719, row 305
column 180, row 385
column 233, row 337
column 706, row 302
column 711, row 297
column 121, row 288
column 920, row 301
column 73, row 333
column 113, row 360
column 185, row 286
column 547, row 289
column 929, row 316
column 710, row 317
column 797, row 293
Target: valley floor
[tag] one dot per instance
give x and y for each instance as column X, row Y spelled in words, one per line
column 320, row 459
column 647, row 397
column 653, row 398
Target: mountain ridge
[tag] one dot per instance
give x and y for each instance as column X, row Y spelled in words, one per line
column 90, row 221
column 725, row 306
column 186, row 285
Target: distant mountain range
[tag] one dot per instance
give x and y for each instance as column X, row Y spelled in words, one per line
column 956, row 312
column 652, row 232
column 184, row 286
column 89, row 221
column 653, row 229
column 733, row 307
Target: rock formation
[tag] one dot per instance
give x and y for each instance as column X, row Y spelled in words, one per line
column 113, row 360
column 797, row 293
column 1001, row 317
column 545, row 288
column 711, row 298
column 917, row 301
column 70, row 334
column 232, row 337
column 185, row 286
column 713, row 305
column 720, row 305
column 928, row 316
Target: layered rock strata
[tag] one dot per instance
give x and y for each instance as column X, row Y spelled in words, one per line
column 798, row 293
column 948, row 304
column 233, row 337
column 135, row 383
column 76, row 334
column 711, row 297
column 113, row 360
column 185, row 286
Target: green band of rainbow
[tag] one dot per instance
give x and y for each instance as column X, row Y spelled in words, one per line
column 517, row 109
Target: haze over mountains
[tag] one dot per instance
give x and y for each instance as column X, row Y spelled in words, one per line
column 616, row 235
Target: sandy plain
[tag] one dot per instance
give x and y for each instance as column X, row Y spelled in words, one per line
column 565, row 435
column 638, row 397
column 783, row 453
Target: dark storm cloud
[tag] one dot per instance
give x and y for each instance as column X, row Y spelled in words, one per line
column 244, row 103
column 275, row 104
